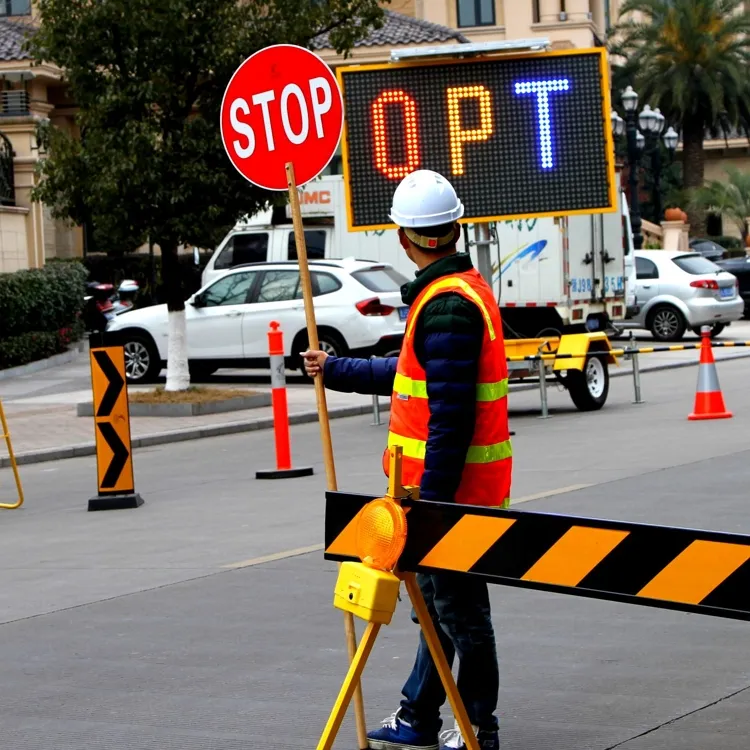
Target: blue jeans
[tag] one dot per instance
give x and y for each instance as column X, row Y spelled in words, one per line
column 460, row 608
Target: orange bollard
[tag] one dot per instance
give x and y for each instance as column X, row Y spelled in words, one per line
column 283, row 468
column 709, row 401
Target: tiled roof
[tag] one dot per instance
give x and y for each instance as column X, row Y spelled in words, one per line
column 12, row 37
column 399, row 30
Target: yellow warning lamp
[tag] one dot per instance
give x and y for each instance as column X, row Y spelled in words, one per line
column 381, row 534
column 369, row 589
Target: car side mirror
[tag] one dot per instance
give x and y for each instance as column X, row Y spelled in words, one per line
column 198, row 301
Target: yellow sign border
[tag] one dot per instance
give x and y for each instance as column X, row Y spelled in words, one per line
column 606, row 115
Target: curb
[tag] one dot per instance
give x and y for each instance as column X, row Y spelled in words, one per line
column 191, row 433
column 45, row 364
column 265, row 423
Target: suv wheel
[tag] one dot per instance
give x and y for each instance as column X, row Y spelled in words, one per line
column 330, row 342
column 142, row 362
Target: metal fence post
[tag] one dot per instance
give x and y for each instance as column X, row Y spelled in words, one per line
column 542, row 367
column 636, row 370
column 376, row 421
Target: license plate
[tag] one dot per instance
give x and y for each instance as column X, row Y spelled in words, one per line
column 403, row 312
column 727, row 291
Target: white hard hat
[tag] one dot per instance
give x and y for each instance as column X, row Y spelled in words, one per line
column 425, row 199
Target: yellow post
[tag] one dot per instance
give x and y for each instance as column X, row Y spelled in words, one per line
column 6, row 435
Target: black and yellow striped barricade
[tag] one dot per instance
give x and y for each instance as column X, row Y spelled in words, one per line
column 5, row 435
column 706, row 572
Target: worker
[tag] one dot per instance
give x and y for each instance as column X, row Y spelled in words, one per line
column 448, row 392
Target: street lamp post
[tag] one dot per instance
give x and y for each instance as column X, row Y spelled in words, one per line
column 651, row 122
column 630, row 105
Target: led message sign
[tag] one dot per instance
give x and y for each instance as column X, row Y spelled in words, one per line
column 521, row 136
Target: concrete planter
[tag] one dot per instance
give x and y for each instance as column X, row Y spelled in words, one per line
column 240, row 403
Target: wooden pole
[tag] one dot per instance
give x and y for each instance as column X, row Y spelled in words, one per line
column 325, row 427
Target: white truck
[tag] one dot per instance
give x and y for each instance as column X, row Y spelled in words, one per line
column 560, row 282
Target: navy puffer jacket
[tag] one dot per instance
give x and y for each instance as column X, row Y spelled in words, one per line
column 447, row 342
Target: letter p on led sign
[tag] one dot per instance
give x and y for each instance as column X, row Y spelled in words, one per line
column 518, row 136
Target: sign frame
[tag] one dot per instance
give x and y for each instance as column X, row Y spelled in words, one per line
column 111, row 412
column 606, row 117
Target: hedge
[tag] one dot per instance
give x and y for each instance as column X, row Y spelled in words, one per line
column 40, row 312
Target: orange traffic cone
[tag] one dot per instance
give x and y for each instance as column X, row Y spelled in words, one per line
column 709, row 403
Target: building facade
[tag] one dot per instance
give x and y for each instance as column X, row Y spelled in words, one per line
column 30, row 93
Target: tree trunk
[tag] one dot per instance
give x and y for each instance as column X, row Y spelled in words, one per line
column 692, row 172
column 178, row 374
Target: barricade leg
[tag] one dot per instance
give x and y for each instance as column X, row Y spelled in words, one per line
column 438, row 656
column 14, row 467
column 356, row 667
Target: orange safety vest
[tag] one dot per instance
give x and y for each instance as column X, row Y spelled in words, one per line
column 487, row 472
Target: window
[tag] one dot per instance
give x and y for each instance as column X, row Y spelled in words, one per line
column 381, row 279
column 229, row 290
column 15, row 7
column 695, row 264
column 243, row 248
column 324, row 283
column 476, row 13
column 645, row 269
column 280, row 286
column 315, row 241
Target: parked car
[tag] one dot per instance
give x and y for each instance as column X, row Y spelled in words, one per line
column 676, row 291
column 707, row 248
column 358, row 308
column 740, row 268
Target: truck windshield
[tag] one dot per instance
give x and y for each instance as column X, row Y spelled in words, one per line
column 695, row 264
column 380, row 279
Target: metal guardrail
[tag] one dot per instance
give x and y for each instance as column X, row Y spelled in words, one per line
column 5, row 434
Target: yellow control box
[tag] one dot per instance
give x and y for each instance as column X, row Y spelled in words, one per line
column 367, row 593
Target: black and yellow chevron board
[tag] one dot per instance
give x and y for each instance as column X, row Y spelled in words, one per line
column 658, row 566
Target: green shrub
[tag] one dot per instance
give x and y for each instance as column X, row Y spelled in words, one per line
column 41, row 300
column 29, row 347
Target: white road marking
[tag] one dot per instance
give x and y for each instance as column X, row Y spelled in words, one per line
column 275, row 556
column 548, row 493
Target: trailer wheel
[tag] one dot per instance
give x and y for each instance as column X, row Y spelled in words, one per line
column 589, row 387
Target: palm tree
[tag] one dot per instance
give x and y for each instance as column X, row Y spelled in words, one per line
column 690, row 58
column 730, row 198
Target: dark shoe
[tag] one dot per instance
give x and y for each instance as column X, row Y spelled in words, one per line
column 397, row 734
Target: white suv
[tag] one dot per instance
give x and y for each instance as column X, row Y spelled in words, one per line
column 358, row 309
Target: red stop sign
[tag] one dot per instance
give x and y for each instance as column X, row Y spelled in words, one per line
column 282, row 105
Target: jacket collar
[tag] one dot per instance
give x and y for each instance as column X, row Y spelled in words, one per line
column 451, row 264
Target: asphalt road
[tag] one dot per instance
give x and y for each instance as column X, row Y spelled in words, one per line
column 203, row 619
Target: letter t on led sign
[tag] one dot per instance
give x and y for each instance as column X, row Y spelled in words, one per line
column 542, row 90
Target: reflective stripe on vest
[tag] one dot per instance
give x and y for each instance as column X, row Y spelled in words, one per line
column 406, row 386
column 451, row 281
column 477, row 454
